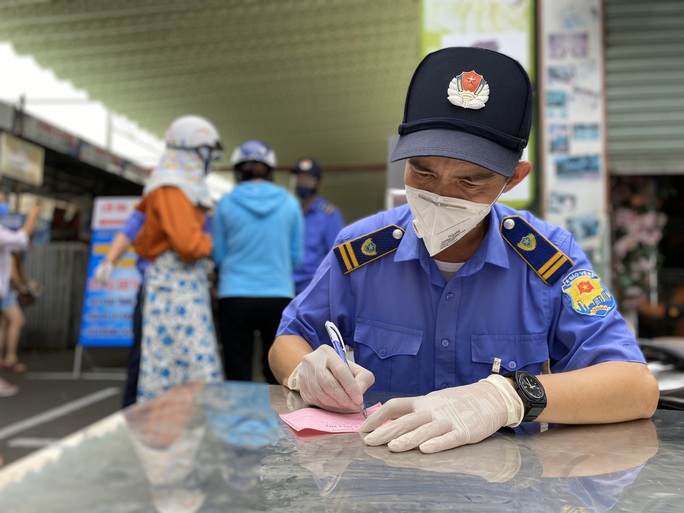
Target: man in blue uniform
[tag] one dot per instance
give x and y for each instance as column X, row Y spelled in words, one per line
column 322, row 221
column 488, row 316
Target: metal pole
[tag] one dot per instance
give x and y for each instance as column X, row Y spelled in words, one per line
column 110, row 127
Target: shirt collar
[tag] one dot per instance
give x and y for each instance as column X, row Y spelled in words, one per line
column 492, row 250
column 409, row 247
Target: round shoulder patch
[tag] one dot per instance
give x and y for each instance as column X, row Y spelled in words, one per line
column 327, row 207
column 587, row 294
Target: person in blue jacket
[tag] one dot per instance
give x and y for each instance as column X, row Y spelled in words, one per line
column 322, row 221
column 258, row 234
column 483, row 315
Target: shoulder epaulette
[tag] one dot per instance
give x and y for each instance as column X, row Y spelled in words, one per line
column 360, row 251
column 549, row 262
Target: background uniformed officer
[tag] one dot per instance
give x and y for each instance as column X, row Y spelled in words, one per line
column 322, row 221
column 461, row 302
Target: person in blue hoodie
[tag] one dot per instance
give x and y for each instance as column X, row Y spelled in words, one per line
column 258, row 239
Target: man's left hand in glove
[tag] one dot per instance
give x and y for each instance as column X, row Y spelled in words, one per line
column 445, row 419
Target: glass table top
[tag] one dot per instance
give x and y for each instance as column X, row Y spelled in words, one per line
column 222, row 447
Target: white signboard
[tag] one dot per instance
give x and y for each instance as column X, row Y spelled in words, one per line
column 500, row 25
column 111, row 212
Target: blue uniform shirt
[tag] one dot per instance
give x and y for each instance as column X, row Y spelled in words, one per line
column 417, row 333
column 131, row 229
column 323, row 222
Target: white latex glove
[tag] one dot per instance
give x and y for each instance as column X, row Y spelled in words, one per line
column 103, row 272
column 323, row 379
column 447, row 418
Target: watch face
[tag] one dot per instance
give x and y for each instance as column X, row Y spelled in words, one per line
column 531, row 387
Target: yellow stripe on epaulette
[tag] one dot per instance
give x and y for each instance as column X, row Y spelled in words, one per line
column 549, row 262
column 371, row 246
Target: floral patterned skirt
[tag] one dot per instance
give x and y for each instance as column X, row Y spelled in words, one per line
column 178, row 340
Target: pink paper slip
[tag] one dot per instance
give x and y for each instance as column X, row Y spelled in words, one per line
column 326, row 421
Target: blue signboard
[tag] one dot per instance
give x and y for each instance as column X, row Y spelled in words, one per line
column 108, row 309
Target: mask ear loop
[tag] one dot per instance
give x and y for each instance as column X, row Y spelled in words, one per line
column 497, row 196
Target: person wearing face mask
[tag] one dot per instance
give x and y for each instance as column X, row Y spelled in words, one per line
column 484, row 316
column 258, row 234
column 178, row 342
column 11, row 241
column 323, row 221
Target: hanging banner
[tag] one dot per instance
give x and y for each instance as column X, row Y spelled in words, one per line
column 573, row 125
column 501, row 25
column 107, row 315
column 21, row 160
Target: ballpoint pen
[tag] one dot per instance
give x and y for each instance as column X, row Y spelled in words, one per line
column 340, row 349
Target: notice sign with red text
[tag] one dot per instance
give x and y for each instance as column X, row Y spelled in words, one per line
column 107, row 319
column 111, row 213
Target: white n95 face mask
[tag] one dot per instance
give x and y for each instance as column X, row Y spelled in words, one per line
column 441, row 221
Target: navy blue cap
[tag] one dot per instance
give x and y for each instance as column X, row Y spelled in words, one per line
column 470, row 104
column 309, row 167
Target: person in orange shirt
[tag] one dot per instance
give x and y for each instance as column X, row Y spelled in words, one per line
column 178, row 337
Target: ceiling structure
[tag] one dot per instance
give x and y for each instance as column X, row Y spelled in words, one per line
column 324, row 78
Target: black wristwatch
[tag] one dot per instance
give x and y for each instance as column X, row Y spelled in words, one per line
column 531, row 391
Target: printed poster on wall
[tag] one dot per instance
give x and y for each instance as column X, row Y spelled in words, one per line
column 107, row 318
column 572, row 107
column 501, row 25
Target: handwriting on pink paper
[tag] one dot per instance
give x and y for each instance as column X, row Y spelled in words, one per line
column 326, row 421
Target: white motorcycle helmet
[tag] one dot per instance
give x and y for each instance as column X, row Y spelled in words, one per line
column 198, row 134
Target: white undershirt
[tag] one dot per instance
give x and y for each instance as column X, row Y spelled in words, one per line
column 448, row 269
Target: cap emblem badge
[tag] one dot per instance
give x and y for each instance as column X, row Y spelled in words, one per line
column 305, row 164
column 468, row 90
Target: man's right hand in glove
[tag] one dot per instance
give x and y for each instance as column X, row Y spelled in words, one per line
column 323, row 379
column 103, row 272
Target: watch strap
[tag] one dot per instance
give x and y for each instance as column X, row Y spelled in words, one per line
column 532, row 409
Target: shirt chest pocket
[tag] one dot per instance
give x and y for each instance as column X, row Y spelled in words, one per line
column 517, row 352
column 390, row 353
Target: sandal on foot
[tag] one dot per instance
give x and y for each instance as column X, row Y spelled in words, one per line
column 7, row 389
column 17, row 367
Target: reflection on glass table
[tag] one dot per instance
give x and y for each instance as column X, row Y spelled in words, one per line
column 222, row 447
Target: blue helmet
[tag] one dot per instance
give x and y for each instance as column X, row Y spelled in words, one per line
column 253, row 150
